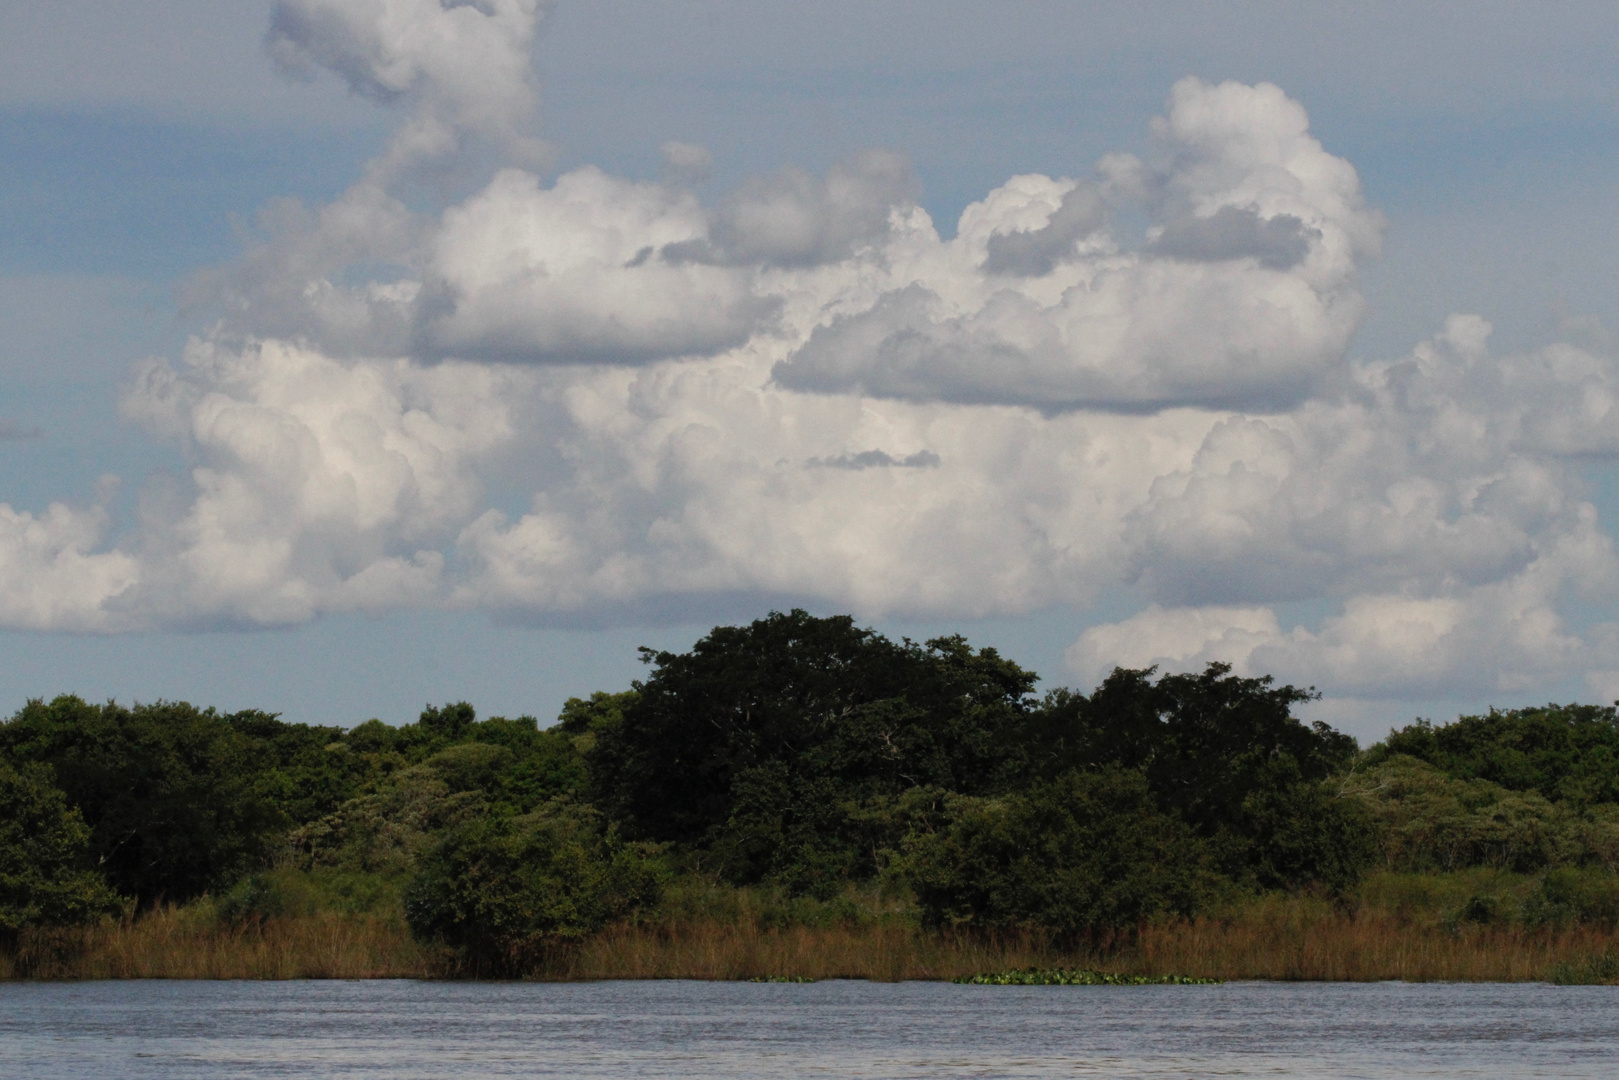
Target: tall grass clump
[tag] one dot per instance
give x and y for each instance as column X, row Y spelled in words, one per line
column 1468, row 926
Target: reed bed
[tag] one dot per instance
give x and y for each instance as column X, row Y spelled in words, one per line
column 1288, row 940
column 1278, row 937
column 185, row 943
column 707, row 950
column 1302, row 938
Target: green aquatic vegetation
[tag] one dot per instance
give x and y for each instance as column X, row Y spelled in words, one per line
column 1077, row 977
column 1598, row 969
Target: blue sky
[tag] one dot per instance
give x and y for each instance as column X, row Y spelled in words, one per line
column 139, row 140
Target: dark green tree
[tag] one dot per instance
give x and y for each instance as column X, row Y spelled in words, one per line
column 46, row 877
column 1224, row 754
column 757, row 742
column 448, row 722
column 169, row 791
column 301, row 770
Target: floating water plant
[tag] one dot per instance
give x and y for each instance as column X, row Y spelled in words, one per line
column 1076, row 977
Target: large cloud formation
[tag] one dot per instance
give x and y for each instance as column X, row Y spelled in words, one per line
column 583, row 398
column 1243, row 295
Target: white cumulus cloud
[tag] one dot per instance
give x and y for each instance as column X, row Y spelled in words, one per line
column 572, row 274
column 1244, row 295
column 467, row 64
column 588, row 398
column 318, row 485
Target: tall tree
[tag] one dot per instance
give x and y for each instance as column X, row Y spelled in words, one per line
column 754, row 740
column 45, row 872
column 168, row 791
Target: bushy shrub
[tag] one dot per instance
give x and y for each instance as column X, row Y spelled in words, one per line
column 503, row 890
column 1426, row 820
column 472, row 766
column 1568, row 895
column 1086, row 855
column 289, row 893
column 267, row 896
column 1295, row 834
column 384, row 831
column 1560, row 752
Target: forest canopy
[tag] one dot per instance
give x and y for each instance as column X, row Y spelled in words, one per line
column 801, row 754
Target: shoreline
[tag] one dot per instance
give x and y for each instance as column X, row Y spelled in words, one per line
column 1286, row 939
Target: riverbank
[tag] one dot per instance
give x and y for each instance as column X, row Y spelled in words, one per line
column 1412, row 928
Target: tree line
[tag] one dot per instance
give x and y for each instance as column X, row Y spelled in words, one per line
column 802, row 754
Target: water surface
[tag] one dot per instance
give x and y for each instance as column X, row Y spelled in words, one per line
column 410, row 1030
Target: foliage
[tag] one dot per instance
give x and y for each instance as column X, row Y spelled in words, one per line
column 796, row 749
column 1597, row 969
column 582, row 718
column 517, row 764
column 290, row 893
column 1293, row 833
column 299, row 770
column 1223, row 754
column 797, row 762
column 502, row 890
column 1567, row 896
column 1559, row 752
column 181, row 801
column 385, row 831
column 1426, row 820
column 168, row 791
column 45, row 878
column 1084, row 855
column 757, row 743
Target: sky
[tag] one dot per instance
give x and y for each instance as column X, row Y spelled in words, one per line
column 361, row 354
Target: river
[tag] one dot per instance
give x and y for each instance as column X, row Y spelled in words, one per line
column 409, row 1030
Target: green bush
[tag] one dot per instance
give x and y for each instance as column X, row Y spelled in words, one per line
column 503, row 890
column 1426, row 821
column 1561, row 752
column 1086, row 855
column 1597, row 969
column 1294, row 833
column 290, row 893
column 472, row 766
column 384, row 831
column 267, row 896
column 1568, row 895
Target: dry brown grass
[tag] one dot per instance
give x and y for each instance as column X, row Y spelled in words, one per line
column 182, row 943
column 1305, row 938
column 1274, row 937
column 1284, row 938
column 709, row 950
